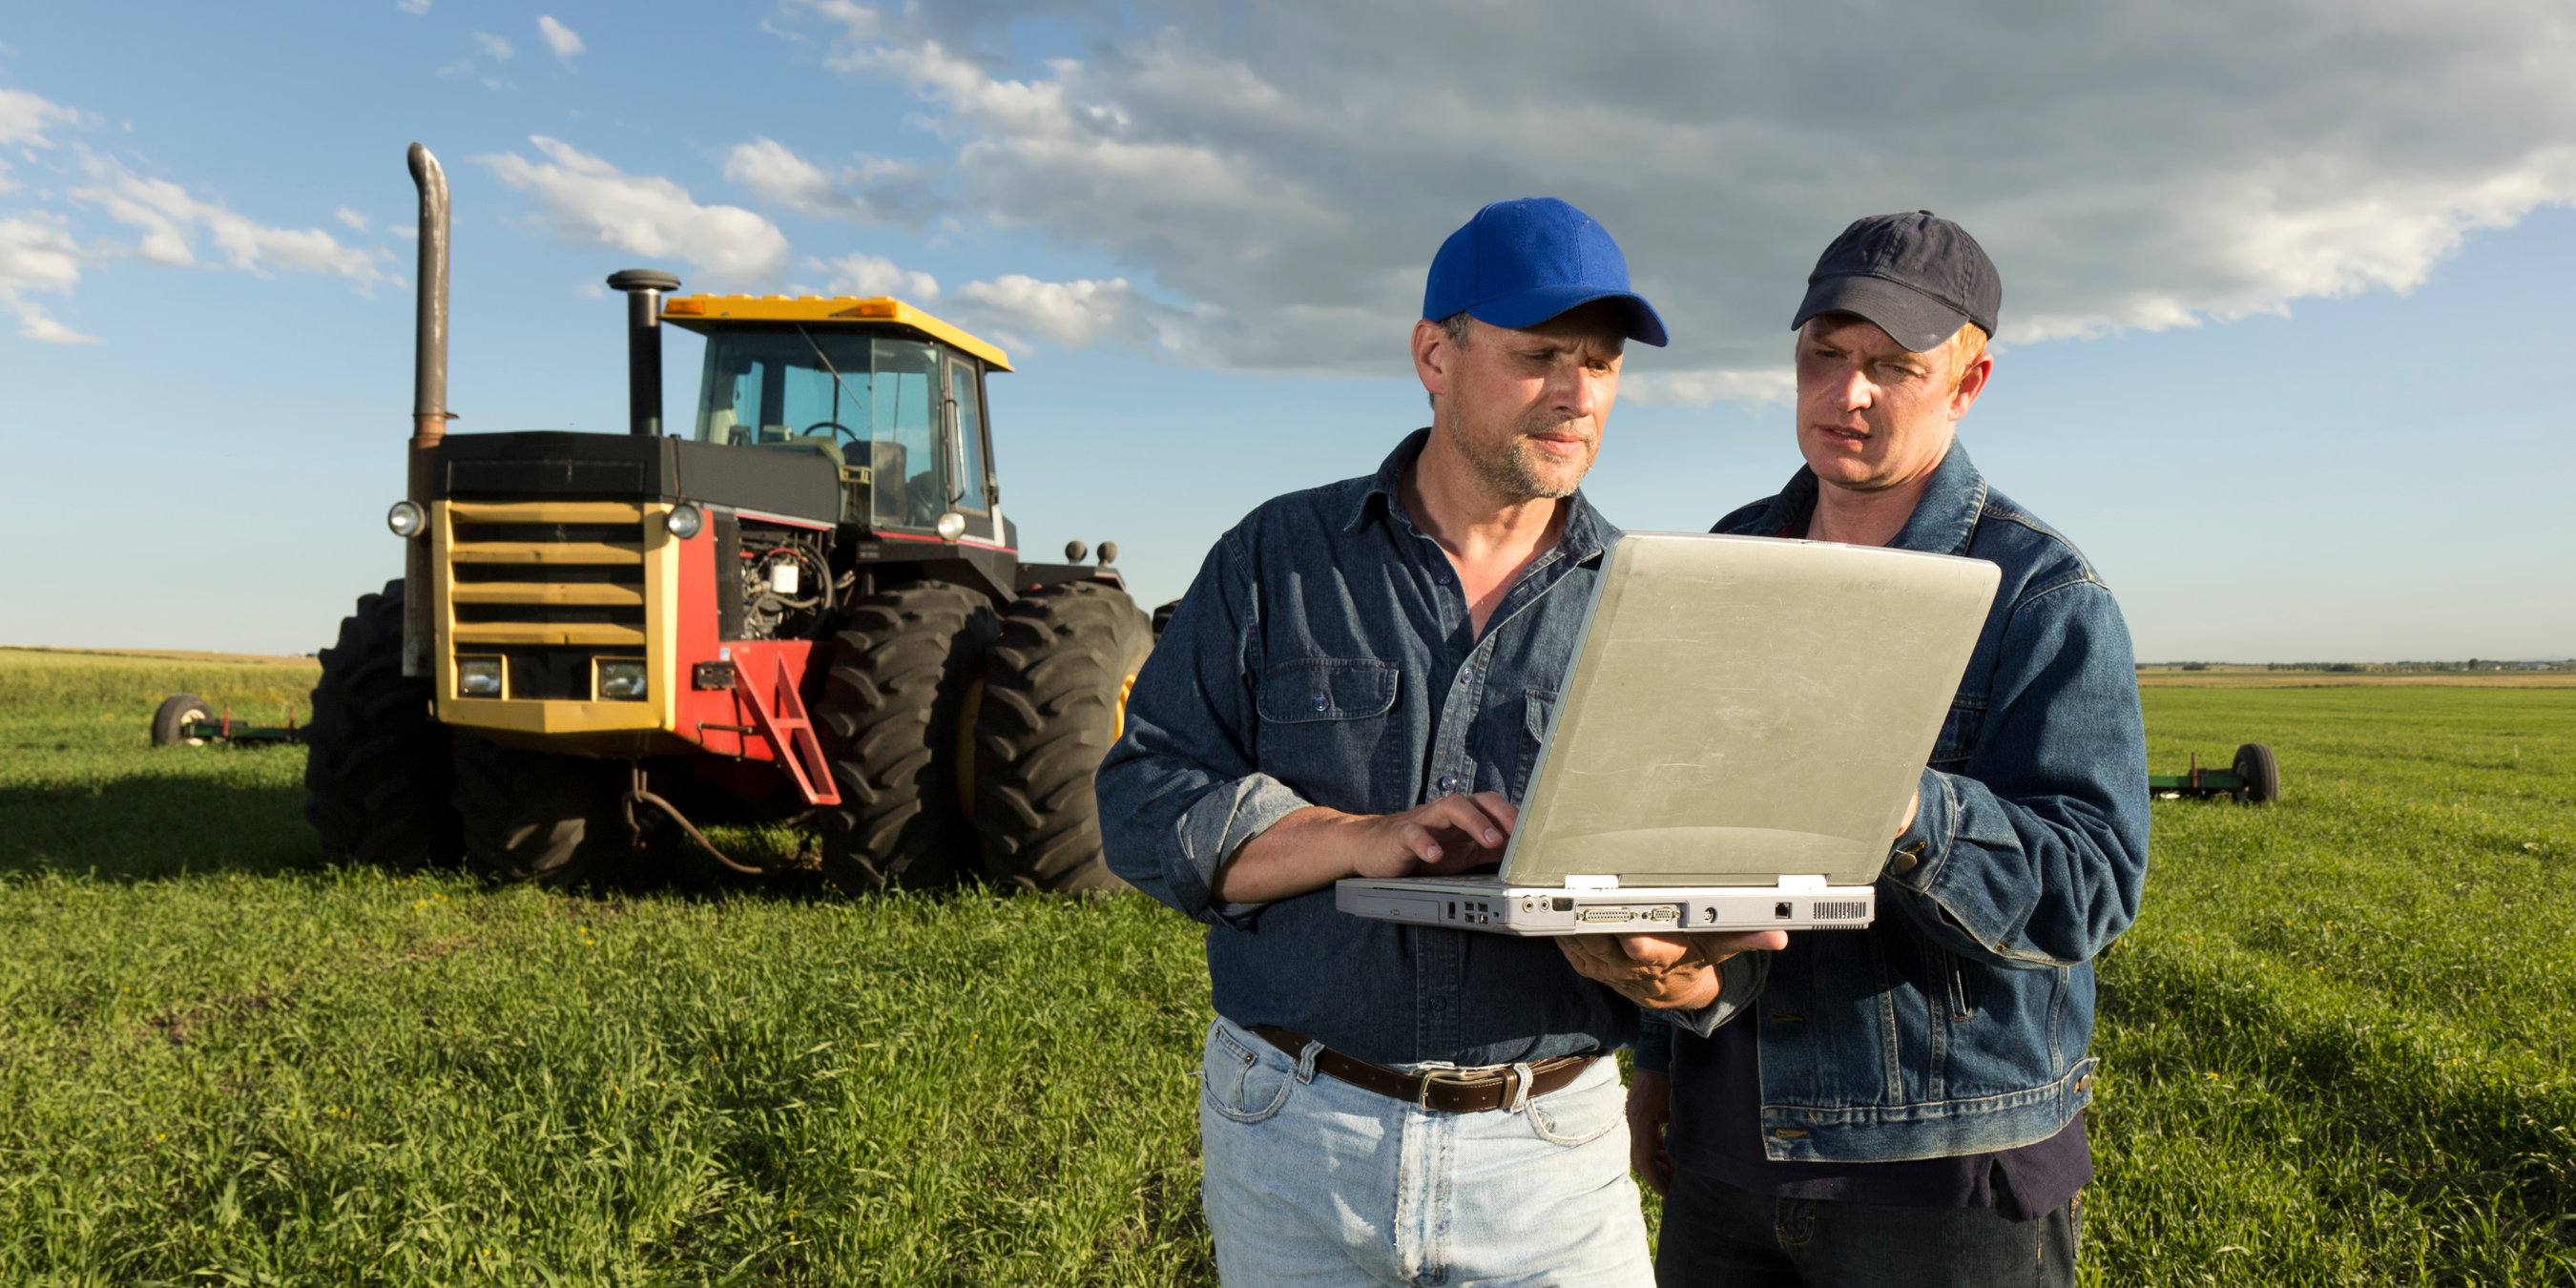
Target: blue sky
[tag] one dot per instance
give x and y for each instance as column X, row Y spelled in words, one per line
column 2279, row 338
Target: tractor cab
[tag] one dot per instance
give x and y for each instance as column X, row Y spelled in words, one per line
column 892, row 397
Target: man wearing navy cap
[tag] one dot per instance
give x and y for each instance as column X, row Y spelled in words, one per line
column 1356, row 684
column 1904, row 1105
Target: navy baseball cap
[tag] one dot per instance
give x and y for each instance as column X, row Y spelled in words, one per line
column 1918, row 276
column 1519, row 263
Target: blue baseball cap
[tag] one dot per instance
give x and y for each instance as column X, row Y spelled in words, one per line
column 1519, row 263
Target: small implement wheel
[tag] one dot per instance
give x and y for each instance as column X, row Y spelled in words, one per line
column 552, row 819
column 888, row 722
column 1054, row 698
column 170, row 723
column 2260, row 772
column 376, row 772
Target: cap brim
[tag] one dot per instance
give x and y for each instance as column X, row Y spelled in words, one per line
column 1529, row 308
column 1908, row 316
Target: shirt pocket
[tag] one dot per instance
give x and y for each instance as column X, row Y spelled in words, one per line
column 1326, row 731
column 1536, row 706
column 1959, row 731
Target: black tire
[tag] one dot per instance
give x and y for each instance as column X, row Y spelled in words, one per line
column 169, row 723
column 376, row 765
column 888, row 724
column 1054, row 698
column 2260, row 773
column 553, row 819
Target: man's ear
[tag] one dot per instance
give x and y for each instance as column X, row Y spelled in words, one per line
column 1972, row 382
column 1435, row 356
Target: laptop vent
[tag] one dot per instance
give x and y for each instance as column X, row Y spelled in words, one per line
column 1844, row 910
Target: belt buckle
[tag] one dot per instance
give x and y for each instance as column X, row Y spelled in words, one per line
column 1433, row 1077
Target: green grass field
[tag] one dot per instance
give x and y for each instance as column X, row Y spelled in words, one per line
column 2338, row 1048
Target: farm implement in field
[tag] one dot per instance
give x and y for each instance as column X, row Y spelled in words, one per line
column 800, row 604
column 2254, row 778
column 185, row 718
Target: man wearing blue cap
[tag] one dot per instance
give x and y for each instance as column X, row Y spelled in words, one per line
column 1356, row 684
column 1904, row 1105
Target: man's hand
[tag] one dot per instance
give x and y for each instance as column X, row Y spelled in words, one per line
column 1315, row 846
column 1674, row 972
column 1650, row 1106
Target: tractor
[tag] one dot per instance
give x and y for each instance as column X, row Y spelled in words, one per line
column 803, row 604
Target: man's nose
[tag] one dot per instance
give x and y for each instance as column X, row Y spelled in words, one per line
column 1857, row 392
column 1578, row 390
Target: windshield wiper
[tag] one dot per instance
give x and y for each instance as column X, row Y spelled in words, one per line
column 839, row 385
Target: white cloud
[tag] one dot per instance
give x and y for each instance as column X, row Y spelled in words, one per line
column 170, row 220
column 38, row 254
column 496, row 47
column 875, row 190
column 351, row 218
column 874, row 275
column 24, row 118
column 1070, row 313
column 559, row 38
column 586, row 200
column 412, row 7
column 1288, row 173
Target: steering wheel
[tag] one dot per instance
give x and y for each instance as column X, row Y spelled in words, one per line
column 844, row 430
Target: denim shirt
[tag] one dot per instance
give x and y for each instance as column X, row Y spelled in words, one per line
column 1325, row 656
column 1958, row 1022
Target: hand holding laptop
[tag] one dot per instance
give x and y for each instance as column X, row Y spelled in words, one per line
column 1674, row 971
column 1669, row 972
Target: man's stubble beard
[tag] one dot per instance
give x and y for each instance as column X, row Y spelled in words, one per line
column 1515, row 466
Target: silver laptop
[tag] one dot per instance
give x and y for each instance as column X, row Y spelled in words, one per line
column 1734, row 749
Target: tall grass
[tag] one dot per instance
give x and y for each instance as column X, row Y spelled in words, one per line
column 2339, row 1047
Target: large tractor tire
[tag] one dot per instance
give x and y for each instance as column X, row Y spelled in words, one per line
column 376, row 775
column 557, row 820
column 888, row 721
column 1053, row 698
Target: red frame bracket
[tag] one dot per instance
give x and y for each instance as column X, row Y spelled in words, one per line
column 790, row 732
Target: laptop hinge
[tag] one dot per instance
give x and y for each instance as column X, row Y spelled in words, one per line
column 1592, row 883
column 1802, row 883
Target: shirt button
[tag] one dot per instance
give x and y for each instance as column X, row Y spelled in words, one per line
column 1439, row 1003
column 1448, row 782
column 1466, row 673
column 1322, row 702
column 1440, row 575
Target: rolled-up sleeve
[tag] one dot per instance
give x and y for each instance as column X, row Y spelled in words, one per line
column 1180, row 791
column 2036, row 856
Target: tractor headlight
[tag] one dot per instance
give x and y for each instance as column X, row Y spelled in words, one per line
column 406, row 519
column 684, row 521
column 621, row 680
column 952, row 525
column 478, row 677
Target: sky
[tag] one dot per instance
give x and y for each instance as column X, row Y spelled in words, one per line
column 2284, row 283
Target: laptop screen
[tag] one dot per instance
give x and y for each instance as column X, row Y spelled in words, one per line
column 1744, row 708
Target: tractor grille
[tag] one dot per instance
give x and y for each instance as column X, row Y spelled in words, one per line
column 550, row 585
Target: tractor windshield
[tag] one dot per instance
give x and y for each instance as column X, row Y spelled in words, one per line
column 868, row 400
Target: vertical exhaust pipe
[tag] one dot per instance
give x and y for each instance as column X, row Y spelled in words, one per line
column 429, row 414
column 644, row 289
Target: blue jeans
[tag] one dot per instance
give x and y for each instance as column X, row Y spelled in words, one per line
column 1719, row 1236
column 1309, row 1180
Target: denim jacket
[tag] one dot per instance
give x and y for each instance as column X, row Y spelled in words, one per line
column 1958, row 1022
column 1325, row 656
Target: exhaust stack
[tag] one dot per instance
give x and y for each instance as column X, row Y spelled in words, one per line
column 429, row 414
column 644, row 289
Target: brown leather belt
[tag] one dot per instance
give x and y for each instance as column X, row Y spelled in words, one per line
column 1438, row 1089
